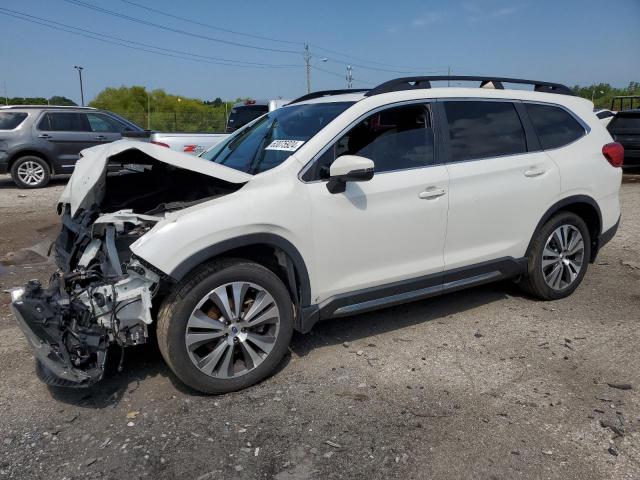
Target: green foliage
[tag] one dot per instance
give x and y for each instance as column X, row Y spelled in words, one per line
column 158, row 110
column 55, row 100
column 602, row 93
column 58, row 100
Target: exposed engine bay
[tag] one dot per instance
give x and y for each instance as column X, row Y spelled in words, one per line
column 102, row 295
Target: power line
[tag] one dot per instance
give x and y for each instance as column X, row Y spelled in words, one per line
column 388, row 69
column 126, row 43
column 175, row 30
column 212, row 27
column 412, row 69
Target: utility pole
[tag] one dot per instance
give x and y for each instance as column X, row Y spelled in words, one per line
column 79, row 69
column 349, row 76
column 6, row 98
column 148, row 112
column 448, row 75
column 307, row 61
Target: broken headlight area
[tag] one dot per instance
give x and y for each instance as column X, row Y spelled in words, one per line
column 100, row 296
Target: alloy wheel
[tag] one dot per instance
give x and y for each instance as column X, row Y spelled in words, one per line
column 31, row 173
column 563, row 257
column 232, row 330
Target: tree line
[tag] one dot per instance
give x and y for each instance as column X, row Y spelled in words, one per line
column 162, row 111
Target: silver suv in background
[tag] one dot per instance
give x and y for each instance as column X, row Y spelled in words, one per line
column 39, row 141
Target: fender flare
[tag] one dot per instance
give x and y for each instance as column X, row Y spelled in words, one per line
column 201, row 256
column 556, row 207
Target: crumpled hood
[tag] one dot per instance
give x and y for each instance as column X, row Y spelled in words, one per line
column 87, row 183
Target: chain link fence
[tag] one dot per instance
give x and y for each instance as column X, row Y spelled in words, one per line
column 177, row 121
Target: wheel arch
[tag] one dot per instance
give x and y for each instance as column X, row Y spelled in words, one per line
column 29, row 152
column 272, row 251
column 586, row 208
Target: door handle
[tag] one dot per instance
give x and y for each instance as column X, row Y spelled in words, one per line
column 533, row 172
column 100, row 137
column 431, row 192
column 44, row 135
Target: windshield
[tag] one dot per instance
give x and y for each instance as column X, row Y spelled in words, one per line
column 275, row 137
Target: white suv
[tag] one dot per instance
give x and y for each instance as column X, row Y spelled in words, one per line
column 339, row 203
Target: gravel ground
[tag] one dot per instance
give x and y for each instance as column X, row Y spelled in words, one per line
column 485, row 383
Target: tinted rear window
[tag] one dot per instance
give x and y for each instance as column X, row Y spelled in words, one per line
column 10, row 120
column 240, row 116
column 63, row 122
column 484, row 129
column 626, row 122
column 554, row 125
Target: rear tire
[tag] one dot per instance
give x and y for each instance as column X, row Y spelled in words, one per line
column 215, row 348
column 30, row 172
column 559, row 257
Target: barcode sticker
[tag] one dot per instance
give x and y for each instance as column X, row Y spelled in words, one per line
column 285, row 145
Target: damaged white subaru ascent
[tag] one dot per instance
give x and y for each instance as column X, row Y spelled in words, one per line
column 339, row 203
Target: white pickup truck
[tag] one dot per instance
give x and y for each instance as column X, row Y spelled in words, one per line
column 193, row 143
column 196, row 143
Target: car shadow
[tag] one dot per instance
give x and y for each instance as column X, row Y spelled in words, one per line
column 145, row 362
column 394, row 319
column 7, row 183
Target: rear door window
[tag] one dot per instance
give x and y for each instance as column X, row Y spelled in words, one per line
column 64, row 122
column 103, row 123
column 554, row 126
column 11, row 120
column 482, row 129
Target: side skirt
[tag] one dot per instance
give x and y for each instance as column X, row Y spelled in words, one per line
column 396, row 293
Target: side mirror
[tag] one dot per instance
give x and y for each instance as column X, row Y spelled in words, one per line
column 349, row 168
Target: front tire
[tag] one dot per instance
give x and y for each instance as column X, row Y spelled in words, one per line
column 558, row 258
column 30, row 172
column 226, row 326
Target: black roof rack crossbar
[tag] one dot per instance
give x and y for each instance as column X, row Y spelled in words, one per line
column 327, row 93
column 411, row 83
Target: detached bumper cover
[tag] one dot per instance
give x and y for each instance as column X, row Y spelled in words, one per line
column 54, row 369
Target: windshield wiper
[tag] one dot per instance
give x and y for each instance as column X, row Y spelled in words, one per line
column 261, row 151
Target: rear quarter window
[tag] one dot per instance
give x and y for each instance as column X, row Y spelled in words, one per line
column 11, row 120
column 554, row 126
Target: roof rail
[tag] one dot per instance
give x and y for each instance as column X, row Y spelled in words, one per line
column 326, row 93
column 410, row 83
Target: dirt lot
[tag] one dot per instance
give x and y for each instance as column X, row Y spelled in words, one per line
column 485, row 383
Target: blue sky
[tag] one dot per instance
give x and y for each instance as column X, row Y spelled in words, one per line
column 567, row 41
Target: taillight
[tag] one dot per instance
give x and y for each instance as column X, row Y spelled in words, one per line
column 189, row 148
column 614, row 153
column 161, row 144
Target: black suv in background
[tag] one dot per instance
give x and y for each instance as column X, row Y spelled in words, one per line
column 625, row 129
column 39, row 141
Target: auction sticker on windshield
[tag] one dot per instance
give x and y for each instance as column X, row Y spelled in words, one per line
column 285, row 145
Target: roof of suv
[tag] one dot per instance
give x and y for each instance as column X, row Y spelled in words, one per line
column 488, row 86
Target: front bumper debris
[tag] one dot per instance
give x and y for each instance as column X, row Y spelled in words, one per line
column 54, row 364
column 100, row 296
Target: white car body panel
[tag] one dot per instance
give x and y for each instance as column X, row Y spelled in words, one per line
column 406, row 239
column 482, row 224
